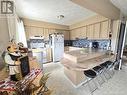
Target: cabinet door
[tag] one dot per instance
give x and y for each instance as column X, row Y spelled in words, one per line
column 90, row 31
column 40, row 31
column 52, row 31
column 49, row 55
column 97, row 31
column 66, row 35
column 104, row 30
column 46, row 34
column 73, row 34
column 78, row 33
column 82, row 32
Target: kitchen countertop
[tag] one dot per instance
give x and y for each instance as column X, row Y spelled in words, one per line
column 87, row 64
column 76, row 61
column 85, row 58
column 83, row 54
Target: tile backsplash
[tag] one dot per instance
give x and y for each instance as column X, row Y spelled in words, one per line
column 103, row 44
column 81, row 43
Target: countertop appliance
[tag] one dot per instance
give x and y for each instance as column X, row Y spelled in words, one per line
column 57, row 44
column 95, row 45
column 67, row 42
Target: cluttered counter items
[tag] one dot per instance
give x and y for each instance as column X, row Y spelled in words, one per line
column 11, row 87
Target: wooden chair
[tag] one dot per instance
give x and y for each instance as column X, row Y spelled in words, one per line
column 42, row 89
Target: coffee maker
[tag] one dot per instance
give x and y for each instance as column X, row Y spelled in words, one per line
column 95, row 45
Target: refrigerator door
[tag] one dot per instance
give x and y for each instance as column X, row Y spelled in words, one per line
column 57, row 46
column 58, row 50
column 58, row 38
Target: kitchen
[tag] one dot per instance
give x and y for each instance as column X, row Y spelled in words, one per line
column 72, row 35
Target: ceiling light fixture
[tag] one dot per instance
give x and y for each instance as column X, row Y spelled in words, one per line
column 60, row 16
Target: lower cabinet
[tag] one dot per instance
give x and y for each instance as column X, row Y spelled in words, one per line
column 43, row 55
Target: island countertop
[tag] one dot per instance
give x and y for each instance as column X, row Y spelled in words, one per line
column 83, row 54
column 76, row 61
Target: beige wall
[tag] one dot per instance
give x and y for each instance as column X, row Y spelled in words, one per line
column 91, row 20
column 4, row 35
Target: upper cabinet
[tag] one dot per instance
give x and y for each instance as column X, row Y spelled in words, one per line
column 90, row 31
column 40, row 31
column 73, row 34
column 46, row 33
column 104, row 34
column 65, row 33
column 99, row 30
column 82, row 33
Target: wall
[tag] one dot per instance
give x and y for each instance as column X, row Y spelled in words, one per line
column 4, row 34
column 34, row 23
column 40, row 28
column 115, row 33
column 126, row 39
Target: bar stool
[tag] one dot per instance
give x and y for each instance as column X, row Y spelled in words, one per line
column 105, row 67
column 111, row 67
column 90, row 75
column 99, row 71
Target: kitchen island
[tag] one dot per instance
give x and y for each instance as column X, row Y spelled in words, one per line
column 76, row 61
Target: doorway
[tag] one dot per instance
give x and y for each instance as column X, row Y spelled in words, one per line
column 121, row 45
column 124, row 56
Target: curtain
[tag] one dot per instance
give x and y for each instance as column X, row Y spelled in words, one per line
column 16, row 29
column 20, row 33
column 11, row 26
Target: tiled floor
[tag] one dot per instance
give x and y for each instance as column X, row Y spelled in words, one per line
column 60, row 85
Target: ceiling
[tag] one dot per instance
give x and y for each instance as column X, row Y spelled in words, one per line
column 121, row 4
column 102, row 7
column 48, row 10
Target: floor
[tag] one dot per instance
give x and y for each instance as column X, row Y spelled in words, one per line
column 60, row 85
